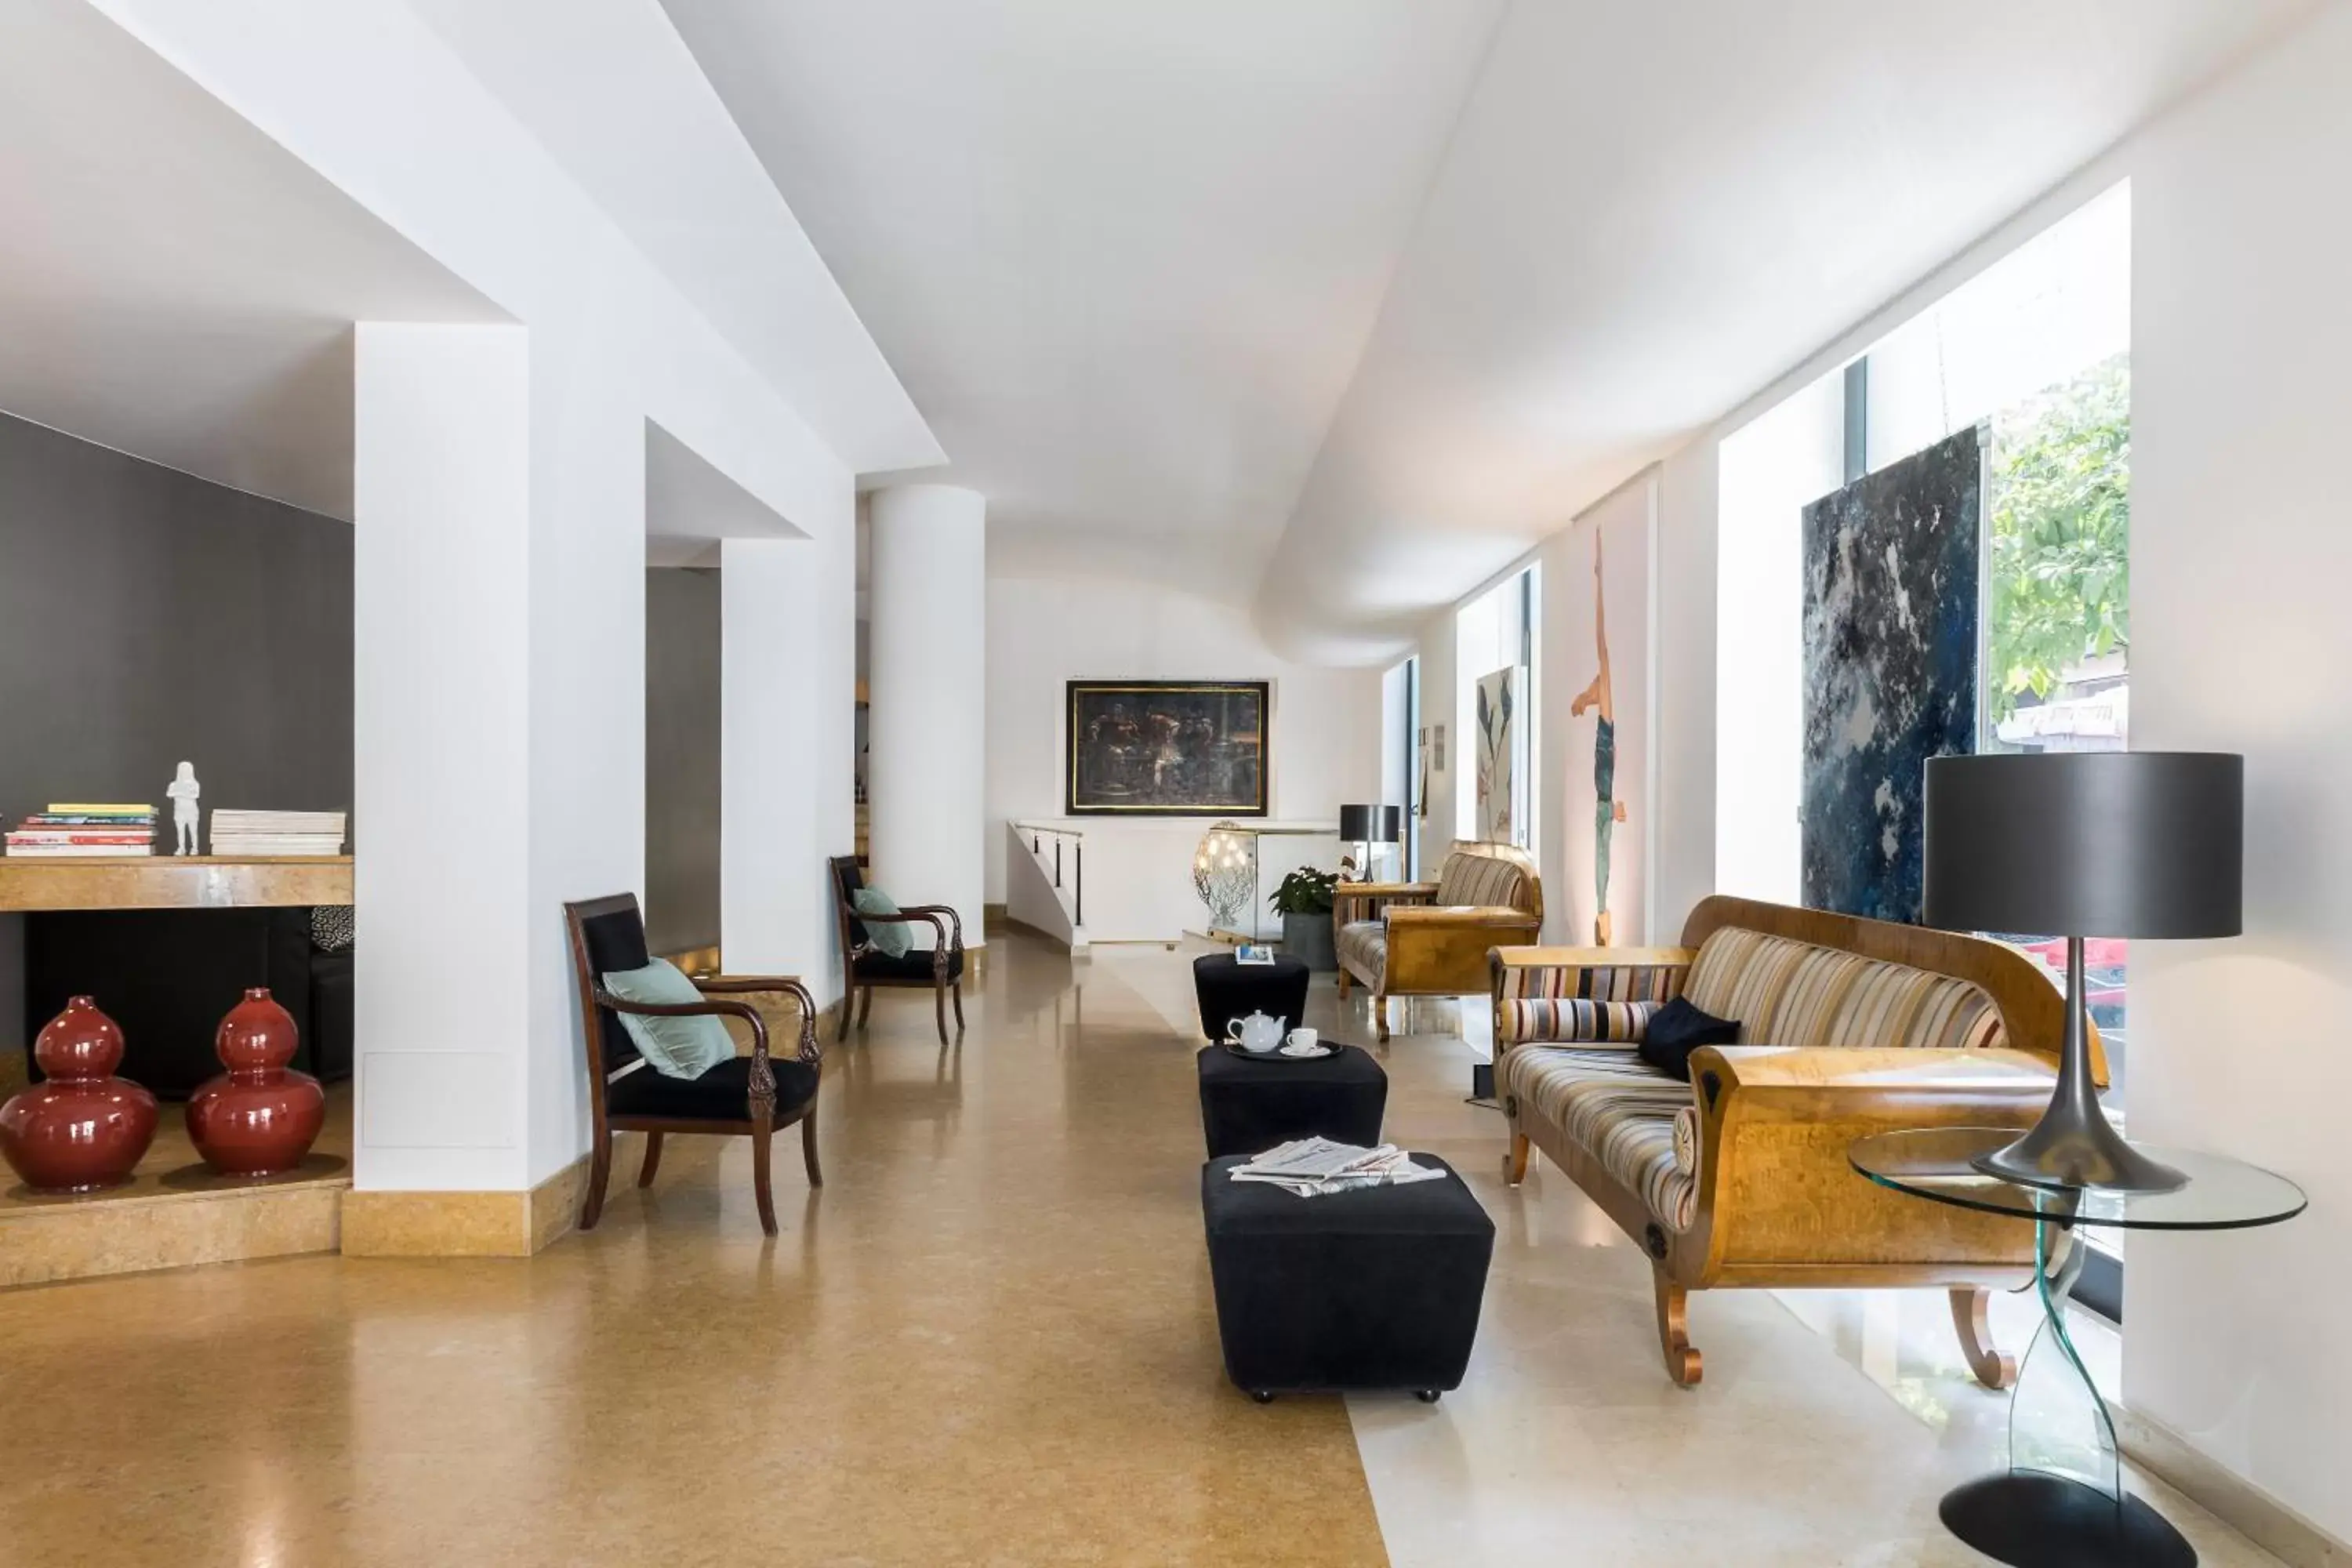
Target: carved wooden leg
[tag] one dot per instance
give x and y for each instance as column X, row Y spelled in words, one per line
column 1515, row 1163
column 864, row 1006
column 1674, row 1330
column 1971, row 1319
column 1381, row 1018
column 653, row 1160
column 759, row 1135
column 959, row 1006
column 848, row 1006
column 600, row 1166
column 939, row 1006
column 1343, row 982
column 808, row 1148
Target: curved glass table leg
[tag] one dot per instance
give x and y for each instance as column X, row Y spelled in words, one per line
column 2061, row 1503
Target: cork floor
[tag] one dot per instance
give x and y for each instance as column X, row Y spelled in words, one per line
column 988, row 1341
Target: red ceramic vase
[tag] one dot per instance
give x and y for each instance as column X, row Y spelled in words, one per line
column 258, row 1118
column 84, row 1128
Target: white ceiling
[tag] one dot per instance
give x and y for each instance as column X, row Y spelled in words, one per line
column 1191, row 285
column 174, row 283
column 1123, row 255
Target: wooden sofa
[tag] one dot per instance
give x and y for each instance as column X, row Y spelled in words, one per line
column 1740, row 1177
column 1431, row 939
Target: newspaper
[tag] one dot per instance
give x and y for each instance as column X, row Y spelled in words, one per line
column 1312, row 1166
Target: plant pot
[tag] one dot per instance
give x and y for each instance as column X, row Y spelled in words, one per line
column 1308, row 939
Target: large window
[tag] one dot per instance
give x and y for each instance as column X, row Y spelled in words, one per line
column 1494, row 636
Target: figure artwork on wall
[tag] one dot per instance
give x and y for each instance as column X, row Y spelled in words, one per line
column 1166, row 748
column 184, row 791
column 1600, row 699
column 1498, row 744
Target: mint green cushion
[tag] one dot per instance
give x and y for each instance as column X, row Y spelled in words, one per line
column 675, row 1048
column 892, row 938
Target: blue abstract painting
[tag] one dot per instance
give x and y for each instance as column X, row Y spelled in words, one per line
column 1890, row 646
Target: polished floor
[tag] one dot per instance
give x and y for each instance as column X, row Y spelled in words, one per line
column 987, row 1341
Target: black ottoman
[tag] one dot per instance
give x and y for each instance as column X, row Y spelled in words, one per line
column 1226, row 989
column 1374, row 1288
column 1249, row 1104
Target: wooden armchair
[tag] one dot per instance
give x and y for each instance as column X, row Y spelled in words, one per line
column 743, row 1097
column 1431, row 939
column 865, row 966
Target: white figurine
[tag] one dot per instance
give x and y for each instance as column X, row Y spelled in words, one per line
column 183, row 790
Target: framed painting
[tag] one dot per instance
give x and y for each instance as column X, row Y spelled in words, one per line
column 1166, row 748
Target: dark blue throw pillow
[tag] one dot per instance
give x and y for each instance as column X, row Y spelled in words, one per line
column 1677, row 1029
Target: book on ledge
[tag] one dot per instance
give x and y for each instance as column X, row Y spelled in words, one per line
column 84, row 830
column 273, row 835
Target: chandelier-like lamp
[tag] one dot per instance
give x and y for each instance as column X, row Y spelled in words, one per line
column 1225, row 873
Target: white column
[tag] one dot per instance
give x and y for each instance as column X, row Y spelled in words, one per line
column 770, row 871
column 441, row 674
column 927, row 696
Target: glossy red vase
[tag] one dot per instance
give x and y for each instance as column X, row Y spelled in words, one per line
column 84, row 1128
column 259, row 1117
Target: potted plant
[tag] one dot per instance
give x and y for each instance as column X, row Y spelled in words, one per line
column 1304, row 902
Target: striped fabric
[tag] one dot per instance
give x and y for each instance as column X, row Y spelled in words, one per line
column 1789, row 993
column 1481, row 881
column 1616, row 1107
column 1363, row 949
column 1687, row 1142
column 1529, row 999
column 1574, row 1018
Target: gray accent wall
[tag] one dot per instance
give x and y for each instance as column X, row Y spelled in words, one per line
column 681, row 759
column 146, row 616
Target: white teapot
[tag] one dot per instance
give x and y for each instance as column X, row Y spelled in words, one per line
column 1258, row 1033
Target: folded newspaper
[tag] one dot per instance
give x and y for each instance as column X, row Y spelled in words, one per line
column 1312, row 1166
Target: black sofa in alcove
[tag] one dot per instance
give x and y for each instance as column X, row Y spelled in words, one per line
column 168, row 975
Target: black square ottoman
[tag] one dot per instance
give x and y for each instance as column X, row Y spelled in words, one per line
column 1249, row 1104
column 1226, row 989
column 1375, row 1289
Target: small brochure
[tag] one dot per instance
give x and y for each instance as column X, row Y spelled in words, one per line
column 1253, row 952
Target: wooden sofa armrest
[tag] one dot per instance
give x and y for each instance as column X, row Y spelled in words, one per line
column 1777, row 1190
column 1371, row 898
column 1405, row 917
column 1513, row 958
column 936, row 913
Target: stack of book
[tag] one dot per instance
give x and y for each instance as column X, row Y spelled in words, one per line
column 72, row 828
column 259, row 834
column 1311, row 1167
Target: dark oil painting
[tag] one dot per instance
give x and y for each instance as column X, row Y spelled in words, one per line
column 1890, row 671
column 1166, row 748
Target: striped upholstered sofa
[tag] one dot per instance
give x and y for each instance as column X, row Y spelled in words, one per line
column 1740, row 1176
column 1431, row 939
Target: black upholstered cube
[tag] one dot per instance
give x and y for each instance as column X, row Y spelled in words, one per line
column 1375, row 1289
column 1226, row 989
column 1249, row 1104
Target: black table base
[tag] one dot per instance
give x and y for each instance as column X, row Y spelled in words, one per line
column 2031, row 1519
column 1226, row 989
column 1248, row 1106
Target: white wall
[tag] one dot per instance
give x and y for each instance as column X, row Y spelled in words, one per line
column 1044, row 632
column 2241, row 328
column 611, row 344
column 1439, row 708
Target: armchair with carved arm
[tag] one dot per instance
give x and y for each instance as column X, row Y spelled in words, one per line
column 744, row 1096
column 865, row 965
column 1431, row 939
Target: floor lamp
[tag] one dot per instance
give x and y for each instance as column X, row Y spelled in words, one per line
column 2081, row 844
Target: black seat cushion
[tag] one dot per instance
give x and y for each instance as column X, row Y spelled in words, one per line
column 1226, row 989
column 722, row 1094
column 1248, row 1106
column 914, row 963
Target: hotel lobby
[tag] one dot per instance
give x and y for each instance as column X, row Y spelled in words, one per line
column 1331, row 782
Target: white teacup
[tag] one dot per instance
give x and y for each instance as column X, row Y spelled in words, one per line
column 1302, row 1039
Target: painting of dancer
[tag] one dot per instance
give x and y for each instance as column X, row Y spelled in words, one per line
column 1166, row 748
column 1600, row 699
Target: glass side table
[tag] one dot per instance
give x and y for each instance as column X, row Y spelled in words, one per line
column 2061, row 1503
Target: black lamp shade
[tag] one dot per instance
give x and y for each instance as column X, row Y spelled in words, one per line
column 1369, row 824
column 2091, row 844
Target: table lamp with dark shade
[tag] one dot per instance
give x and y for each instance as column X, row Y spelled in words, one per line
column 2084, row 844
column 1368, row 826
